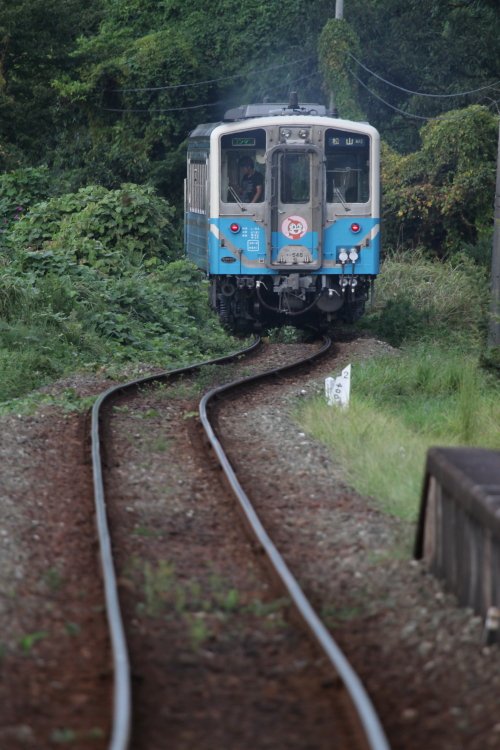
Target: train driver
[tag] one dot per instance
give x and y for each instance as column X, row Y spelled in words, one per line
column 252, row 182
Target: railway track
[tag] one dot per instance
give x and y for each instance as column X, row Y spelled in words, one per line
column 353, row 722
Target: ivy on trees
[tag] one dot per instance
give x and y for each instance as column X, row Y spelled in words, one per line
column 337, row 40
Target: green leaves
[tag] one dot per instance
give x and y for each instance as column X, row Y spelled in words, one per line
column 27, row 642
column 442, row 196
column 103, row 229
column 337, row 40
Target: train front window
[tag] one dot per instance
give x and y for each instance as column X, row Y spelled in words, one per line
column 295, row 178
column 243, row 166
column 347, row 167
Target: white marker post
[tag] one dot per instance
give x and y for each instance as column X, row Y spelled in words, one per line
column 338, row 390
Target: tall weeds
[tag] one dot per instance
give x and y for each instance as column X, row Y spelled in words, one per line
column 417, row 298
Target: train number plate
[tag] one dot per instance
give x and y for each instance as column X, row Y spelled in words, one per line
column 292, row 255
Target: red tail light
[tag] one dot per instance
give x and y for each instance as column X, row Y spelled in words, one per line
column 355, row 227
column 234, row 228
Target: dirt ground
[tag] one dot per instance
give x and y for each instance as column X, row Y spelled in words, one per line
column 55, row 671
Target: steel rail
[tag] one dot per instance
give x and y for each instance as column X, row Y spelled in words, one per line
column 371, row 727
column 122, row 704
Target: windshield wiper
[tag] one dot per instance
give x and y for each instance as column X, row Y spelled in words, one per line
column 337, row 192
column 236, row 198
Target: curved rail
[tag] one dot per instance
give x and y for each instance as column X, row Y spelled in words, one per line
column 120, row 733
column 374, row 736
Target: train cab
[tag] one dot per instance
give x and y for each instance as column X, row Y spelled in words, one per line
column 282, row 211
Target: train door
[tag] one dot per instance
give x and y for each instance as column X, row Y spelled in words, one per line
column 295, row 224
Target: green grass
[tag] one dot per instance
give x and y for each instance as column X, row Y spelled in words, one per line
column 416, row 299
column 401, row 405
column 27, row 642
column 201, row 604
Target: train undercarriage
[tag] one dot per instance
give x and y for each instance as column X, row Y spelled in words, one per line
column 252, row 302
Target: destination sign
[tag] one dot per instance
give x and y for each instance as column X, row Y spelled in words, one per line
column 354, row 141
column 243, row 141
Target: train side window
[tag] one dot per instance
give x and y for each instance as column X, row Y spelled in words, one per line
column 197, row 174
column 295, row 178
column 250, row 143
column 347, row 167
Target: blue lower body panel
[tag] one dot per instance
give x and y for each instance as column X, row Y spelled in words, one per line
column 339, row 236
column 214, row 247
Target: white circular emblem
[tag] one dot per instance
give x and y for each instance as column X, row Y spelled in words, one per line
column 294, row 227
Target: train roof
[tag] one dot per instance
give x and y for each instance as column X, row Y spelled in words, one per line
column 263, row 109
column 268, row 109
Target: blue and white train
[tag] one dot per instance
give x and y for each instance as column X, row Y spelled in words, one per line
column 282, row 211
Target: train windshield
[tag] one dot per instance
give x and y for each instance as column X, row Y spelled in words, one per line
column 347, row 167
column 295, row 178
column 243, row 166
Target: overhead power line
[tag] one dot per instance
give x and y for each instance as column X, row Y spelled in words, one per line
column 200, row 106
column 215, row 80
column 420, row 93
column 295, row 80
column 419, row 117
column 172, row 109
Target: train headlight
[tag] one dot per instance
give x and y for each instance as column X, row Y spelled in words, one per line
column 303, row 133
column 234, row 228
column 286, row 133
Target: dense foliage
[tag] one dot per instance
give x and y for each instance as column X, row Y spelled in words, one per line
column 336, row 43
column 426, row 46
column 93, row 279
column 441, row 197
column 418, row 299
column 113, row 44
column 62, row 62
column 99, row 227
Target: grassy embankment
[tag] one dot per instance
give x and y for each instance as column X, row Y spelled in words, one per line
column 432, row 391
column 95, row 281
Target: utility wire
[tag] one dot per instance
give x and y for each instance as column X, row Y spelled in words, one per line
column 172, row 109
column 215, row 80
column 296, row 80
column 419, row 117
column 419, row 93
column 199, row 106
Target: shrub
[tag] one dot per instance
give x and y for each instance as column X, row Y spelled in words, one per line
column 53, row 324
column 105, row 229
column 490, row 360
column 19, row 190
column 480, row 252
column 416, row 297
column 399, row 321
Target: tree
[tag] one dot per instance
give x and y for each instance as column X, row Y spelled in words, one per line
column 429, row 46
column 37, row 39
column 442, row 195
